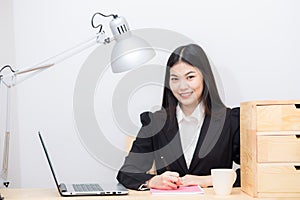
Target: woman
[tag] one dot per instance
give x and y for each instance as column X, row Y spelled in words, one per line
column 193, row 133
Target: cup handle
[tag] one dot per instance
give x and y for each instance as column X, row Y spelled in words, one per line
column 234, row 177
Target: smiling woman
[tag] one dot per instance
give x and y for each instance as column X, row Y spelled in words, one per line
column 198, row 132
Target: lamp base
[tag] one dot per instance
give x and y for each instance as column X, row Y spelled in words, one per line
column 6, row 183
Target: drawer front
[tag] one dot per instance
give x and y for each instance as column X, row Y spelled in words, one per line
column 278, row 117
column 273, row 178
column 285, row 148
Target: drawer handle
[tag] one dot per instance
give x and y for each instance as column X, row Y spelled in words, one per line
column 297, row 136
column 297, row 167
column 297, row 105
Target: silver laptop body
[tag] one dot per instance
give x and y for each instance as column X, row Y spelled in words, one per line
column 86, row 189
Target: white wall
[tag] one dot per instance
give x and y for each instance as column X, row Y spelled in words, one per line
column 254, row 46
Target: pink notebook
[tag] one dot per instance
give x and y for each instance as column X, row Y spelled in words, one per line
column 181, row 190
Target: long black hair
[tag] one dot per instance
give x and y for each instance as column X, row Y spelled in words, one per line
column 194, row 55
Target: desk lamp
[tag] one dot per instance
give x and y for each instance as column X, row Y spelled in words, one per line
column 128, row 52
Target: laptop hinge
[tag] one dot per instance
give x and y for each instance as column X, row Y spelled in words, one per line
column 62, row 187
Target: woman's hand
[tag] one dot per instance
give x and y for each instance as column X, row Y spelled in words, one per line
column 203, row 181
column 167, row 180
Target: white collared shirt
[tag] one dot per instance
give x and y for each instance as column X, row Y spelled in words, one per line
column 189, row 129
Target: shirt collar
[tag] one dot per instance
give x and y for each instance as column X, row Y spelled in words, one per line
column 197, row 114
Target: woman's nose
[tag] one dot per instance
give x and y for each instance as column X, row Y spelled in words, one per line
column 183, row 85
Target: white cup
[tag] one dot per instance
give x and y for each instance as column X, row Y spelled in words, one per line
column 223, row 180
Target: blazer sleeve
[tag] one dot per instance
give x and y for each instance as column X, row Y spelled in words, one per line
column 235, row 130
column 133, row 173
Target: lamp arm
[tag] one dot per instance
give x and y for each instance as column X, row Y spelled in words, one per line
column 99, row 38
column 4, row 171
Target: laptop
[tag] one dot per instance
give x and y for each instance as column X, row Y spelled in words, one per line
column 85, row 189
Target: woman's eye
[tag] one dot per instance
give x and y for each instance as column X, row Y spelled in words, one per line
column 190, row 77
column 174, row 79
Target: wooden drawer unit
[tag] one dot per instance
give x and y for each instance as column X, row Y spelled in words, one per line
column 270, row 148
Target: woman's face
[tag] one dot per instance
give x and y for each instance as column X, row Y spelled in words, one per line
column 186, row 83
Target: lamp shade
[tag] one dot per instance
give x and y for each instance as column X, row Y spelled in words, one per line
column 130, row 52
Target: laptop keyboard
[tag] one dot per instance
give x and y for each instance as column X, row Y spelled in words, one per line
column 86, row 187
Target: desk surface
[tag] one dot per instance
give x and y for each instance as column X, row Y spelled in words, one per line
column 52, row 193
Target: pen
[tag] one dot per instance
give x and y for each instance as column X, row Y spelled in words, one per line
column 165, row 163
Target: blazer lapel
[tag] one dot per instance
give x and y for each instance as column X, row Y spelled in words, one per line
column 203, row 131
column 171, row 133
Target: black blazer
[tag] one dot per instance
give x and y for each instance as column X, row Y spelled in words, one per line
column 158, row 140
